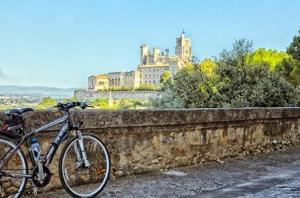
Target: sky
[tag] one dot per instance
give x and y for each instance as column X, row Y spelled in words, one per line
column 60, row 43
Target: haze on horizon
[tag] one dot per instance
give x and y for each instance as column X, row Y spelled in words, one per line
column 61, row 43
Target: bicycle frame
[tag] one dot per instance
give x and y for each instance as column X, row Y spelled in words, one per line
column 52, row 149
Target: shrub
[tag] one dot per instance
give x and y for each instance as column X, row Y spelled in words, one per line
column 235, row 83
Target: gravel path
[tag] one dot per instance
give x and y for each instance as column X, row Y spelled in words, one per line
column 273, row 175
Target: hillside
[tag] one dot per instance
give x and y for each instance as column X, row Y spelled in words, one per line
column 36, row 90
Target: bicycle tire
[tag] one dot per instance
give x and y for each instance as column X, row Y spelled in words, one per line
column 23, row 159
column 61, row 168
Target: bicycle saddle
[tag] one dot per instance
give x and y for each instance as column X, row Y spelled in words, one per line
column 18, row 111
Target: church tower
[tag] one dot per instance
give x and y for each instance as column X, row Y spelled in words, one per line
column 183, row 48
column 144, row 54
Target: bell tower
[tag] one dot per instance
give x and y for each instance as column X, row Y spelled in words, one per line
column 144, row 54
column 183, row 48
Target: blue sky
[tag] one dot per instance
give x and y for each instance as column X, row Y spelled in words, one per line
column 61, row 42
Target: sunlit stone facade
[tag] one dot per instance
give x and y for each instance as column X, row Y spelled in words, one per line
column 152, row 65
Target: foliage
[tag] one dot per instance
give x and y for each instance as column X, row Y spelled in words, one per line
column 190, row 88
column 146, row 87
column 142, row 87
column 290, row 69
column 236, row 83
column 117, row 88
column 46, row 102
column 208, row 66
column 253, row 86
column 237, row 56
column 294, row 47
column 70, row 99
column 269, row 57
column 126, row 103
column 99, row 103
column 169, row 100
column 166, row 75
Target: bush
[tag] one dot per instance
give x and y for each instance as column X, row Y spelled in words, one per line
column 253, row 86
column 46, row 102
column 116, row 88
column 126, row 103
column 99, row 103
column 235, row 83
column 146, row 87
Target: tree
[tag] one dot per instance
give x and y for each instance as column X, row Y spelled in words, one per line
column 263, row 56
column 238, row 55
column 253, row 86
column 101, row 103
column 235, row 83
column 294, row 47
column 146, row 87
column 244, row 84
column 166, row 75
column 208, row 66
column 290, row 67
column 46, row 103
column 127, row 103
column 190, row 88
column 70, row 99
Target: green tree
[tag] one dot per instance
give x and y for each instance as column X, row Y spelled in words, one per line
column 244, row 84
column 146, row 87
column 208, row 66
column 166, row 75
column 190, row 88
column 46, row 103
column 116, row 88
column 263, row 56
column 101, row 103
column 127, row 103
column 238, row 55
column 253, row 86
column 70, row 99
column 236, row 83
column 290, row 67
column 294, row 47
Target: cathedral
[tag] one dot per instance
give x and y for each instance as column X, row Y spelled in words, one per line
column 152, row 65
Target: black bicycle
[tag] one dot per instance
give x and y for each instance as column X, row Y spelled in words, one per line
column 84, row 164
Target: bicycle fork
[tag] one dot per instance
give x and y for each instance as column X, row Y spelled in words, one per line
column 81, row 157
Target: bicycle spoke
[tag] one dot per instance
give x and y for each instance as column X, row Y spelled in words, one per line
column 94, row 176
column 13, row 175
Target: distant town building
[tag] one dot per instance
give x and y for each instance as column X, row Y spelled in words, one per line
column 97, row 82
column 124, row 79
column 152, row 65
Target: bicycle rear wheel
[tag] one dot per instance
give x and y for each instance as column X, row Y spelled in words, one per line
column 80, row 180
column 12, row 175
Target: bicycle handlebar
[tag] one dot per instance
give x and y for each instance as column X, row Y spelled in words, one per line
column 70, row 105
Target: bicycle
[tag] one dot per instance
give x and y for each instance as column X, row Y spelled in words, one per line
column 84, row 164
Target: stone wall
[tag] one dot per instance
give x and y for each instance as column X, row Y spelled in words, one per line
column 143, row 95
column 152, row 140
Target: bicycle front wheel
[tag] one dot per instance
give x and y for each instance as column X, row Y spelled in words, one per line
column 13, row 174
column 81, row 179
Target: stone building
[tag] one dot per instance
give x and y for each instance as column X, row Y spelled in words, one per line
column 183, row 48
column 152, row 65
column 124, row 79
column 99, row 81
